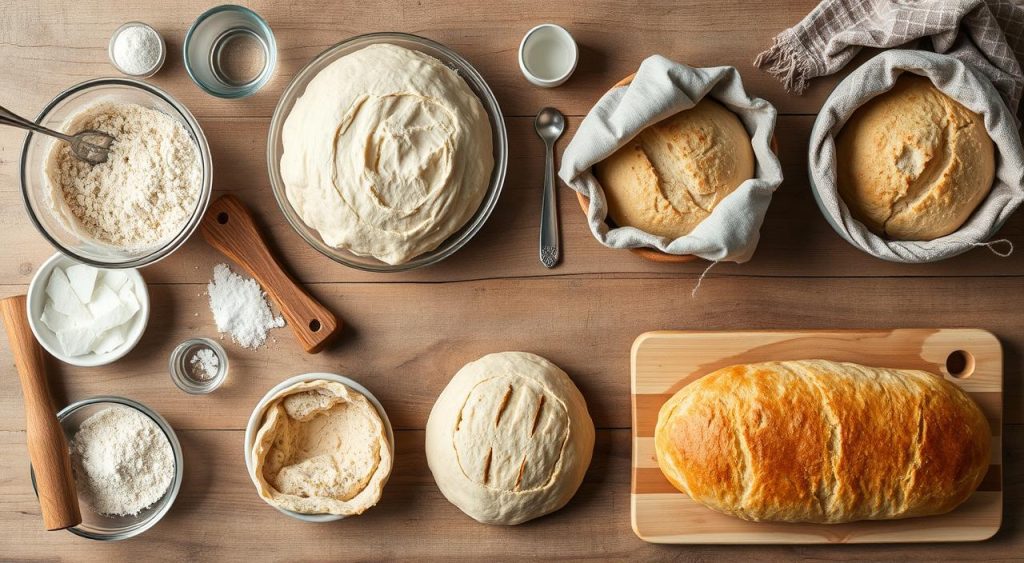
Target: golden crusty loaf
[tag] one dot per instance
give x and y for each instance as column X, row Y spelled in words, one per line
column 823, row 442
column 913, row 164
column 668, row 178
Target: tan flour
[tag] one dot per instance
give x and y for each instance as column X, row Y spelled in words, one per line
column 146, row 190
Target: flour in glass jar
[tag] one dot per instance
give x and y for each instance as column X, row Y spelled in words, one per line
column 144, row 193
column 122, row 460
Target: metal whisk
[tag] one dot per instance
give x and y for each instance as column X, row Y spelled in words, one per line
column 89, row 145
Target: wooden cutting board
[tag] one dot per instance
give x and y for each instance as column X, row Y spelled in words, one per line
column 664, row 362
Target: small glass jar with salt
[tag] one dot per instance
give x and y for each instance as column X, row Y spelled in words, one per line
column 136, row 49
column 199, row 366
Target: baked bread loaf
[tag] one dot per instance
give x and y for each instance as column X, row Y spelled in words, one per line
column 509, row 439
column 823, row 442
column 912, row 163
column 322, row 448
column 671, row 176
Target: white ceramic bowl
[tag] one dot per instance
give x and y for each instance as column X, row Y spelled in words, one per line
column 256, row 419
column 48, row 340
column 551, row 42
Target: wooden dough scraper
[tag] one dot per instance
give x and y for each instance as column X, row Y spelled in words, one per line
column 229, row 227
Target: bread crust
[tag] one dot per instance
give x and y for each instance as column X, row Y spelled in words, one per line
column 669, row 178
column 912, row 163
column 823, row 442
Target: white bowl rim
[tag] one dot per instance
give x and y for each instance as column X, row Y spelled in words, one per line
column 256, row 416
column 46, row 338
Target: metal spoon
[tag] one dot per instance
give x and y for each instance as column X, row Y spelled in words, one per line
column 90, row 145
column 550, row 124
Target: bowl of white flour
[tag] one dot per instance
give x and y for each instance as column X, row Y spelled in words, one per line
column 140, row 205
column 127, row 465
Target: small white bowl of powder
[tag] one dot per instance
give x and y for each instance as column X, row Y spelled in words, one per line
column 127, row 464
column 136, row 49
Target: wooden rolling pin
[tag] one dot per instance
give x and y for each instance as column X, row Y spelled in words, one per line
column 47, row 446
column 229, row 227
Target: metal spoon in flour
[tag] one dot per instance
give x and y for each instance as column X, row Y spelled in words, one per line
column 91, row 146
column 550, row 124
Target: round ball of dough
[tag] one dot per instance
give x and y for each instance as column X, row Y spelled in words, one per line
column 509, row 439
column 912, row 163
column 669, row 178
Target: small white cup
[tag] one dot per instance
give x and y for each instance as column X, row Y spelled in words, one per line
column 548, row 55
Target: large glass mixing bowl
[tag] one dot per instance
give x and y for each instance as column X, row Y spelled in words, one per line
column 476, row 83
column 63, row 232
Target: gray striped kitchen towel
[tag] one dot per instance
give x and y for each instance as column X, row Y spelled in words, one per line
column 986, row 34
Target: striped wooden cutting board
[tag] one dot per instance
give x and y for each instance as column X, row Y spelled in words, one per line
column 664, row 362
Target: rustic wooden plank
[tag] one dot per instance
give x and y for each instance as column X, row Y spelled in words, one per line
column 796, row 240
column 46, row 50
column 218, row 516
column 409, row 336
column 405, row 341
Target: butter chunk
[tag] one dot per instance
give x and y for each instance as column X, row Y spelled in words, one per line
column 83, row 279
column 109, row 340
column 76, row 341
column 129, row 300
column 114, row 279
column 57, row 321
column 108, row 310
column 64, row 298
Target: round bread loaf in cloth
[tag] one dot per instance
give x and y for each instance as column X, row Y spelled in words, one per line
column 913, row 163
column 671, row 176
column 509, row 439
column 971, row 90
column 721, row 221
column 322, row 449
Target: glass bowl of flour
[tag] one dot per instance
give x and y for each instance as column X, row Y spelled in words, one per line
column 113, row 435
column 139, row 206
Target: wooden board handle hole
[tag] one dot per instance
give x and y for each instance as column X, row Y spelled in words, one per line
column 315, row 325
column 960, row 364
column 222, row 218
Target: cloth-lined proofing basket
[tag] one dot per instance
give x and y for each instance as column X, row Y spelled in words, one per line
column 960, row 82
column 662, row 88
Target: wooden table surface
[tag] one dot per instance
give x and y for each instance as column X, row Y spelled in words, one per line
column 408, row 333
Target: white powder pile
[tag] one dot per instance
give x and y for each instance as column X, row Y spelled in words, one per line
column 137, row 50
column 204, row 364
column 123, row 462
column 240, row 308
column 146, row 190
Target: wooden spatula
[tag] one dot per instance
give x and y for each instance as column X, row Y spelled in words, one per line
column 229, row 227
column 47, row 446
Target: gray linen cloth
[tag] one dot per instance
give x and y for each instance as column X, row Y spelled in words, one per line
column 660, row 89
column 986, row 34
column 962, row 83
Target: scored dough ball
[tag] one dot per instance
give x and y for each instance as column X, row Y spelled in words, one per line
column 912, row 163
column 509, row 439
column 669, row 178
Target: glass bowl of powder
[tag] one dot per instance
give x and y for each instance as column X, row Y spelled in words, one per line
column 127, row 464
column 139, row 206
